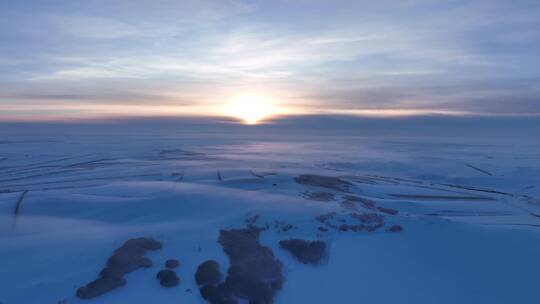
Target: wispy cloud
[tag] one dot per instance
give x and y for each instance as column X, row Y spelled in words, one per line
column 440, row 55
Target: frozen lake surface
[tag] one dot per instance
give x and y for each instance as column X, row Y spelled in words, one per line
column 405, row 219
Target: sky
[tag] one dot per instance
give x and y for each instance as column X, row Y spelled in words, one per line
column 97, row 58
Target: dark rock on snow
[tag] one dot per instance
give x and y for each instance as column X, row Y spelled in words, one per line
column 395, row 228
column 168, row 278
column 220, row 294
column 254, row 275
column 251, row 221
column 281, row 226
column 343, row 227
column 125, row 259
column 387, row 210
column 365, row 221
column 320, row 196
column 349, row 205
column 324, row 218
column 364, row 202
column 305, row 251
column 208, row 273
column 367, row 203
column 144, row 262
column 171, row 264
column 370, row 221
column 99, row 287
column 329, row 182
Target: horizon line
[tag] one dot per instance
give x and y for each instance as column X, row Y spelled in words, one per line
column 365, row 114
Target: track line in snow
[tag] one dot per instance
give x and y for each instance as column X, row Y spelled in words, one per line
column 18, row 207
column 479, row 170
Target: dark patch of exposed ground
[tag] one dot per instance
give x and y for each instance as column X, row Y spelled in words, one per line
column 127, row 258
column 330, row 182
column 251, row 221
column 278, row 226
column 362, row 214
column 168, row 278
column 307, row 252
column 364, row 202
column 281, row 226
column 386, row 210
column 356, row 221
column 395, row 228
column 208, row 273
column 172, row 263
column 351, row 203
column 254, row 275
column 320, row 196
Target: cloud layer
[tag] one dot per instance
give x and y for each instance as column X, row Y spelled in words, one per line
column 65, row 58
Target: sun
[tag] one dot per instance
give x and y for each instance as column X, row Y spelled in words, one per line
column 251, row 109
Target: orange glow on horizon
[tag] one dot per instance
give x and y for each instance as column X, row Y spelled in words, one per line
column 250, row 109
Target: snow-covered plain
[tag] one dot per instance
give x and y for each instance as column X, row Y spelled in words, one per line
column 469, row 207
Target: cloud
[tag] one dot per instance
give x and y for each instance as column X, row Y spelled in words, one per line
column 95, row 27
column 439, row 55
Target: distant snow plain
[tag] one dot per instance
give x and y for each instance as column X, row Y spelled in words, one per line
column 469, row 206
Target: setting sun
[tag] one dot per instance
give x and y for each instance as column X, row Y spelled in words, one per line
column 251, row 109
